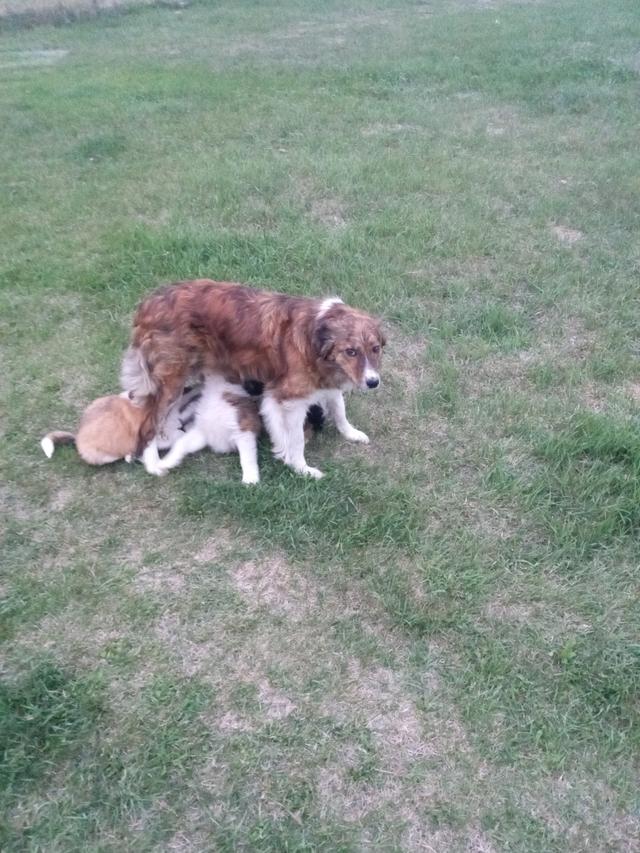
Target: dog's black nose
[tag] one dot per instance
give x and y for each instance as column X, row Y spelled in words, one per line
column 372, row 382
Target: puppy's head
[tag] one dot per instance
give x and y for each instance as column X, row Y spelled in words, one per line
column 351, row 343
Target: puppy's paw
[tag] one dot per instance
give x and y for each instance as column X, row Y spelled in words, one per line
column 250, row 479
column 357, row 436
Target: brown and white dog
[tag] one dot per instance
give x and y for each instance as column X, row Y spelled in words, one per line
column 304, row 350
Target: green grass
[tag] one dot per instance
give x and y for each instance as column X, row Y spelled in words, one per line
column 436, row 646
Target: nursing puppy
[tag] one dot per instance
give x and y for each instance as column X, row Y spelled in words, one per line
column 109, row 429
column 224, row 418
column 304, row 350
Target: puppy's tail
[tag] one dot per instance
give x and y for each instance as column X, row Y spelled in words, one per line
column 134, row 374
column 49, row 442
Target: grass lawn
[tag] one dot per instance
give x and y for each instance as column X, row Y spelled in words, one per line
column 437, row 646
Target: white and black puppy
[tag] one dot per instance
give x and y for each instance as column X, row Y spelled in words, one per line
column 223, row 417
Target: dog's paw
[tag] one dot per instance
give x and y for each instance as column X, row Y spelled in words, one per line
column 357, row 435
column 251, row 479
column 308, row 471
column 156, row 470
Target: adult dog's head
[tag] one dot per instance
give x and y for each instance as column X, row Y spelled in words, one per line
column 350, row 344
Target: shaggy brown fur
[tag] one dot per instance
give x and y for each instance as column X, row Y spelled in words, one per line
column 286, row 342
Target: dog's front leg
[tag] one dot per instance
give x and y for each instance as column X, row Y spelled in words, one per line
column 248, row 449
column 285, row 425
column 337, row 411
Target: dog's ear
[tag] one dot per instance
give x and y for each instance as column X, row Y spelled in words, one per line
column 383, row 337
column 323, row 339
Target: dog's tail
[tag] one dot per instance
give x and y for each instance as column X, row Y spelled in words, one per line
column 134, row 374
column 49, row 442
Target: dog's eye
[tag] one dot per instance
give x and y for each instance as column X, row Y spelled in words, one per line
column 351, row 352
column 376, row 348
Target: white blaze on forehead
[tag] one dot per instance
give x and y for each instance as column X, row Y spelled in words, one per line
column 328, row 303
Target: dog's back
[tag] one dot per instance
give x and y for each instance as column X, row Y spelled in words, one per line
column 216, row 327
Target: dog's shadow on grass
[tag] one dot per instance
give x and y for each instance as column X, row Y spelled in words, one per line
column 351, row 507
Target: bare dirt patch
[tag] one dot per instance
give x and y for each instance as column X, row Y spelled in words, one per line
column 62, row 497
column 594, row 397
column 632, row 389
column 231, row 722
column 275, row 585
column 390, row 714
column 329, row 212
column 566, row 235
column 491, row 523
column 543, row 615
column 161, row 581
column 409, row 745
column 29, row 58
column 276, row 705
column 214, row 548
column 85, row 640
column 382, row 128
column 14, row 506
column 501, row 611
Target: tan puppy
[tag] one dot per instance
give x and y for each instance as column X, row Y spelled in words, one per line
column 109, row 429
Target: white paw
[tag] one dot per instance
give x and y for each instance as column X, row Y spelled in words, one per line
column 157, row 470
column 251, row 479
column 308, row 471
column 357, row 435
